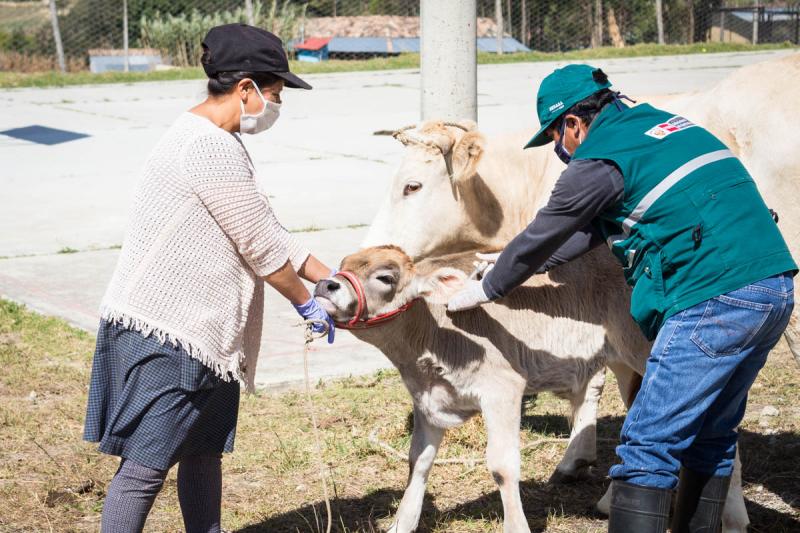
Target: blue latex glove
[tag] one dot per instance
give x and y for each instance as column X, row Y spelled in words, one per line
column 312, row 309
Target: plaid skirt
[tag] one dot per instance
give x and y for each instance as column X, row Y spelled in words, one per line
column 154, row 404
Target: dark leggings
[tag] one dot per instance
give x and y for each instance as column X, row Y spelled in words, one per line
column 134, row 489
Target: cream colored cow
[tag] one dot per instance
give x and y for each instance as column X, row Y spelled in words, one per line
column 457, row 189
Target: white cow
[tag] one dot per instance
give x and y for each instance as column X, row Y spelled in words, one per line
column 474, row 192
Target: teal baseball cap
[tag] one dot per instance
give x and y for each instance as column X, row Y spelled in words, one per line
column 561, row 90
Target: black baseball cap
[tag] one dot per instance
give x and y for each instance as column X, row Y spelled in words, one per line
column 240, row 47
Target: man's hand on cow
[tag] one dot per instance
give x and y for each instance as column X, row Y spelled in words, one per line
column 471, row 296
column 484, row 264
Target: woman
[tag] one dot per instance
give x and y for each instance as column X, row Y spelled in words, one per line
column 181, row 319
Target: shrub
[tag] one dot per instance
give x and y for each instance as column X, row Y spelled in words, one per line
column 179, row 37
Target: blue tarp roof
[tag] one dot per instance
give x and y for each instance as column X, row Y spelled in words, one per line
column 358, row 45
column 406, row 44
column 489, row 44
column 379, row 45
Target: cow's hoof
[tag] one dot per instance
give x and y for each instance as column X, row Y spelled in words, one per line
column 603, row 505
column 580, row 471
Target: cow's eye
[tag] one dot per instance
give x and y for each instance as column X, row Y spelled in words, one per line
column 411, row 187
column 388, row 280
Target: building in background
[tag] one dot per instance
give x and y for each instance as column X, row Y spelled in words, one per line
column 362, row 37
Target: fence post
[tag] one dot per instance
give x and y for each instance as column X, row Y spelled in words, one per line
column 722, row 26
column 660, row 21
column 448, row 62
column 57, row 36
column 755, row 23
column 597, row 28
column 498, row 20
column 248, row 11
column 523, row 32
column 125, row 35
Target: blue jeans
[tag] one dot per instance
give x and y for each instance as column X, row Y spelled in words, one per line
column 695, row 386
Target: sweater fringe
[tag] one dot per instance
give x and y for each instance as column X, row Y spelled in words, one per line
column 225, row 370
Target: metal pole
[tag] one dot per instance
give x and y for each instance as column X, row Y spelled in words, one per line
column 125, row 35
column 248, row 11
column 755, row 23
column 523, row 32
column 57, row 37
column 660, row 21
column 448, row 62
column 498, row 20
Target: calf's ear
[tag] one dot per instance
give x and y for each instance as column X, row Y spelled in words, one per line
column 439, row 285
column 466, row 154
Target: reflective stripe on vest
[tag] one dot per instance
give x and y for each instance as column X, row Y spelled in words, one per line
column 663, row 186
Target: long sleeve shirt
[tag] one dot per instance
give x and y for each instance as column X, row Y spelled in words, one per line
column 200, row 239
column 562, row 230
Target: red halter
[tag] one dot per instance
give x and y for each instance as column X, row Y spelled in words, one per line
column 361, row 304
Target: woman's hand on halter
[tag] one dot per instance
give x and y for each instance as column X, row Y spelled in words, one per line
column 311, row 310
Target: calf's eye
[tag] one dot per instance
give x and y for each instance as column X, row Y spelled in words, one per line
column 411, row 187
column 388, row 280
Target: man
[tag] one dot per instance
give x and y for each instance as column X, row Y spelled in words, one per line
column 711, row 277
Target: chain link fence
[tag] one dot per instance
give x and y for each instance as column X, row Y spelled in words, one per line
column 39, row 35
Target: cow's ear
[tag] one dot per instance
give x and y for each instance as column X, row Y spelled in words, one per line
column 439, row 285
column 466, row 154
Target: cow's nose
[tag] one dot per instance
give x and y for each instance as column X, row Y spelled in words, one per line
column 333, row 285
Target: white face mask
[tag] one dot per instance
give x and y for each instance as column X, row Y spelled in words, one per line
column 264, row 120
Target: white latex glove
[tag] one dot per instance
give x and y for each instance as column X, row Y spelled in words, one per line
column 484, row 264
column 469, row 297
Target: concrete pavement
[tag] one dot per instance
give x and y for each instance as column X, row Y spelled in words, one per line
column 324, row 170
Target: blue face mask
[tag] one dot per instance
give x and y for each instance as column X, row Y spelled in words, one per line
column 559, row 149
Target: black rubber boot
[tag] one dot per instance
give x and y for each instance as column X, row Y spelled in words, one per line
column 699, row 502
column 637, row 509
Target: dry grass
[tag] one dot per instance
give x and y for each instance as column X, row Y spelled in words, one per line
column 51, row 481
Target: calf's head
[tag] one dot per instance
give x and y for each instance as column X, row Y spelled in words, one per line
column 389, row 279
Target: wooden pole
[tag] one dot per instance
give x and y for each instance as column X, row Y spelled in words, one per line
column 523, row 32
column 597, row 31
column 57, row 37
column 248, row 11
column 510, row 21
column 498, row 20
column 660, row 21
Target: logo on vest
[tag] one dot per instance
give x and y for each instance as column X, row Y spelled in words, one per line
column 554, row 107
column 669, row 127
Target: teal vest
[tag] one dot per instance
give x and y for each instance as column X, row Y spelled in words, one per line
column 692, row 224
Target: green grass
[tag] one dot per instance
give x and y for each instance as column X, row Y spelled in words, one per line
column 404, row 61
column 52, row 481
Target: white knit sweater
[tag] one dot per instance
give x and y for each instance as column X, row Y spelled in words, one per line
column 201, row 235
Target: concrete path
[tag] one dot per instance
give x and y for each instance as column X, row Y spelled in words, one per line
column 323, row 168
